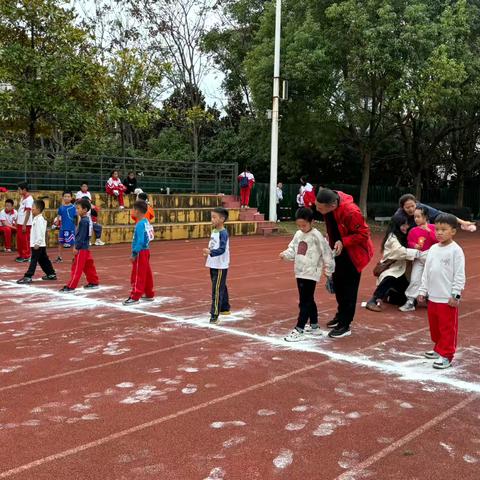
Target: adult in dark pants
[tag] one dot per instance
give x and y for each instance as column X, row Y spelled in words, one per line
column 349, row 237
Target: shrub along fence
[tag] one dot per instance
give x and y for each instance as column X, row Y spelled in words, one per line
column 382, row 200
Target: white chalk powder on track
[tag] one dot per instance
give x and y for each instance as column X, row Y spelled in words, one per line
column 413, row 370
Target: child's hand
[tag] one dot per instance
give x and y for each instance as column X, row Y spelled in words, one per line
column 453, row 302
column 75, row 251
column 36, row 247
column 206, row 252
column 338, row 247
column 282, row 256
column 421, row 299
column 24, row 228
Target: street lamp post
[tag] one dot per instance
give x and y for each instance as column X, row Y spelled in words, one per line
column 275, row 115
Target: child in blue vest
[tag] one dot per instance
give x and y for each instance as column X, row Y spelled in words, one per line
column 218, row 261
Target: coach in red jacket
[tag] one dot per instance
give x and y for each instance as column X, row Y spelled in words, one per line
column 349, row 236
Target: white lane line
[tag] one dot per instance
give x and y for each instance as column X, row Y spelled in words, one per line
column 362, row 466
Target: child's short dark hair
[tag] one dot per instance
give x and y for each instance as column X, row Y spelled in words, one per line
column 405, row 198
column 327, row 196
column 142, row 196
column 84, row 183
column 10, row 201
column 113, row 171
column 448, row 219
column 424, row 210
column 23, row 186
column 84, row 204
column 223, row 212
column 40, row 204
column 141, row 206
column 304, row 213
column 67, row 192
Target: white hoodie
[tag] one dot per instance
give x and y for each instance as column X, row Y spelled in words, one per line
column 311, row 254
column 38, row 232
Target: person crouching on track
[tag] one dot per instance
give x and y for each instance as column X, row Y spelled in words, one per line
column 82, row 260
column 218, row 261
column 38, row 246
column 142, row 277
column 313, row 256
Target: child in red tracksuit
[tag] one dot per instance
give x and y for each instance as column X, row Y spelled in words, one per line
column 141, row 278
column 115, row 188
column 83, row 260
column 443, row 282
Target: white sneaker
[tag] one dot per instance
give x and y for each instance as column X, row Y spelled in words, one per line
column 408, row 307
column 99, row 243
column 431, row 355
column 314, row 332
column 121, row 207
column 295, row 336
column 441, row 363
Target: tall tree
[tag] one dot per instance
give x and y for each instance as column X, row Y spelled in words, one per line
column 50, row 67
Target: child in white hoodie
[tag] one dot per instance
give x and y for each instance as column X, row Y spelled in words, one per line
column 312, row 256
column 39, row 246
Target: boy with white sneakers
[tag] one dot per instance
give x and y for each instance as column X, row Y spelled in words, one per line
column 312, row 256
column 443, row 282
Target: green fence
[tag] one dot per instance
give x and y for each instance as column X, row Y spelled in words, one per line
column 382, row 200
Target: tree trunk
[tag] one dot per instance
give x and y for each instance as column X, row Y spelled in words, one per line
column 32, row 127
column 418, row 185
column 461, row 190
column 122, row 142
column 365, row 182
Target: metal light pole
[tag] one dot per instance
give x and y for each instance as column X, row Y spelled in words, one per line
column 275, row 115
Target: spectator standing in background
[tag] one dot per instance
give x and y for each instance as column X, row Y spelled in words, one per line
column 279, row 198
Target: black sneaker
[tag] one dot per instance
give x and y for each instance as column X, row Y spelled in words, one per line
column 130, row 301
column 49, row 277
column 24, row 281
column 66, row 289
column 339, row 332
column 91, row 286
column 58, row 260
column 213, row 320
column 332, row 323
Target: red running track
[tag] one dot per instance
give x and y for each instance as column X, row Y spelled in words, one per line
column 90, row 389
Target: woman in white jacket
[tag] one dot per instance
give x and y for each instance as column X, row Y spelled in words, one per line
column 393, row 282
column 313, row 257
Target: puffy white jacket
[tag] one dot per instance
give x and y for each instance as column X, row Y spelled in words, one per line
column 394, row 250
column 311, row 254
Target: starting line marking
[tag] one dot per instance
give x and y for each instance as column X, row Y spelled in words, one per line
column 407, row 372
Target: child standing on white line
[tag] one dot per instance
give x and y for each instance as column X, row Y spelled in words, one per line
column 443, row 282
column 218, row 261
column 312, row 256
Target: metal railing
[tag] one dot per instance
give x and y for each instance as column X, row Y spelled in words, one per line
column 45, row 171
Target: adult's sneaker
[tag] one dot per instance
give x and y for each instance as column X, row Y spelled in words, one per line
column 374, row 306
column 314, row 332
column 295, row 336
column 91, row 286
column 99, row 243
column 431, row 355
column 409, row 306
column 24, row 281
column 50, row 277
column 130, row 301
column 66, row 289
column 441, row 363
column 339, row 332
column 333, row 323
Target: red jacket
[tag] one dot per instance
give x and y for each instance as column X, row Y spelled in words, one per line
column 354, row 231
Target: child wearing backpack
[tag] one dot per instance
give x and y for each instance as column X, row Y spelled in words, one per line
column 246, row 181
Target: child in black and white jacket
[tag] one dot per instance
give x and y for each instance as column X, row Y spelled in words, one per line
column 313, row 257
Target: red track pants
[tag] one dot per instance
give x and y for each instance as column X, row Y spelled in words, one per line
column 8, row 232
column 119, row 197
column 83, row 263
column 142, row 278
column 443, row 320
column 23, row 242
column 245, row 196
